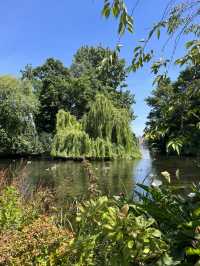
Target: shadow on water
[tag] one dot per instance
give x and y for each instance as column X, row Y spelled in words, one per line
column 69, row 179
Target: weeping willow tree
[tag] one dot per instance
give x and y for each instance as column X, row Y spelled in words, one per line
column 103, row 133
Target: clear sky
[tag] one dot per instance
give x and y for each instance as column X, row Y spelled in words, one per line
column 33, row 30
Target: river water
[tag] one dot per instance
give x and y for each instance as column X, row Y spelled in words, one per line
column 68, row 178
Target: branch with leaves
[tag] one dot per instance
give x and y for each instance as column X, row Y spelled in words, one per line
column 178, row 19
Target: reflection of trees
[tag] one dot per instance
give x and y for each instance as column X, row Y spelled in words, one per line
column 71, row 179
column 188, row 170
column 116, row 176
column 40, row 175
column 68, row 178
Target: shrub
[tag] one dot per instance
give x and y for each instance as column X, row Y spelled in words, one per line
column 178, row 218
column 110, row 235
column 11, row 214
column 39, row 243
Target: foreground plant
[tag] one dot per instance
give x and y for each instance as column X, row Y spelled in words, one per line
column 178, row 217
column 39, row 243
column 112, row 235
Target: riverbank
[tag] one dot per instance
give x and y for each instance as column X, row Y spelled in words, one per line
column 48, row 157
column 98, row 229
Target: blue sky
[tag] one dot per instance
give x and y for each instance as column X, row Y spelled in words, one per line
column 33, row 30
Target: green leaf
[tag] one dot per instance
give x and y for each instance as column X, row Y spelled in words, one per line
column 115, row 10
column 192, row 251
column 130, row 244
column 156, row 233
column 166, row 176
column 158, row 33
column 166, row 260
column 146, row 250
column 106, row 10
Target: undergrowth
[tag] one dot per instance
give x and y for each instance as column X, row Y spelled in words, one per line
column 158, row 227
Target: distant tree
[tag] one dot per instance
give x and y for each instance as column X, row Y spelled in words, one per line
column 88, row 59
column 109, row 79
column 50, row 81
column 58, row 87
column 18, row 106
column 104, row 132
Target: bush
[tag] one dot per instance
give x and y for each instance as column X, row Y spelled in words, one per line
column 111, row 235
column 11, row 214
column 39, row 243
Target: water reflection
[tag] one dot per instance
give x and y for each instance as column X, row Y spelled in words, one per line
column 68, row 178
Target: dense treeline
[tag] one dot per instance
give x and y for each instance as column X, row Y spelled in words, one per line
column 29, row 105
column 174, row 120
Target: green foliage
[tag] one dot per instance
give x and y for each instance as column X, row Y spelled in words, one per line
column 159, row 228
column 178, row 219
column 110, row 235
column 72, row 90
column 87, row 60
column 27, row 236
column 10, row 209
column 106, row 76
column 70, row 140
column 45, row 142
column 179, row 18
column 119, row 10
column 174, row 118
column 57, row 90
column 175, row 145
column 18, row 107
column 104, row 132
column 110, row 123
column 51, row 84
column 40, row 243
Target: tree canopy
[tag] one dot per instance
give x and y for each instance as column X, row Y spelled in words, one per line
column 33, row 107
column 72, row 89
column 88, row 60
column 104, row 132
column 174, row 119
column 17, row 111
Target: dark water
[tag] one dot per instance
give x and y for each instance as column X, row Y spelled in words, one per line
column 68, row 178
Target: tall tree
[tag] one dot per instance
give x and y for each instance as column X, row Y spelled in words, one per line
column 18, row 106
column 51, row 81
column 174, row 119
column 88, row 59
column 73, row 89
column 108, row 78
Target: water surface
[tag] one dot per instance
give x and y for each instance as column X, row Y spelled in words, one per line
column 68, row 178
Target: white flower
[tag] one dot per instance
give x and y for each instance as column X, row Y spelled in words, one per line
column 156, row 183
column 191, row 195
column 116, row 197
